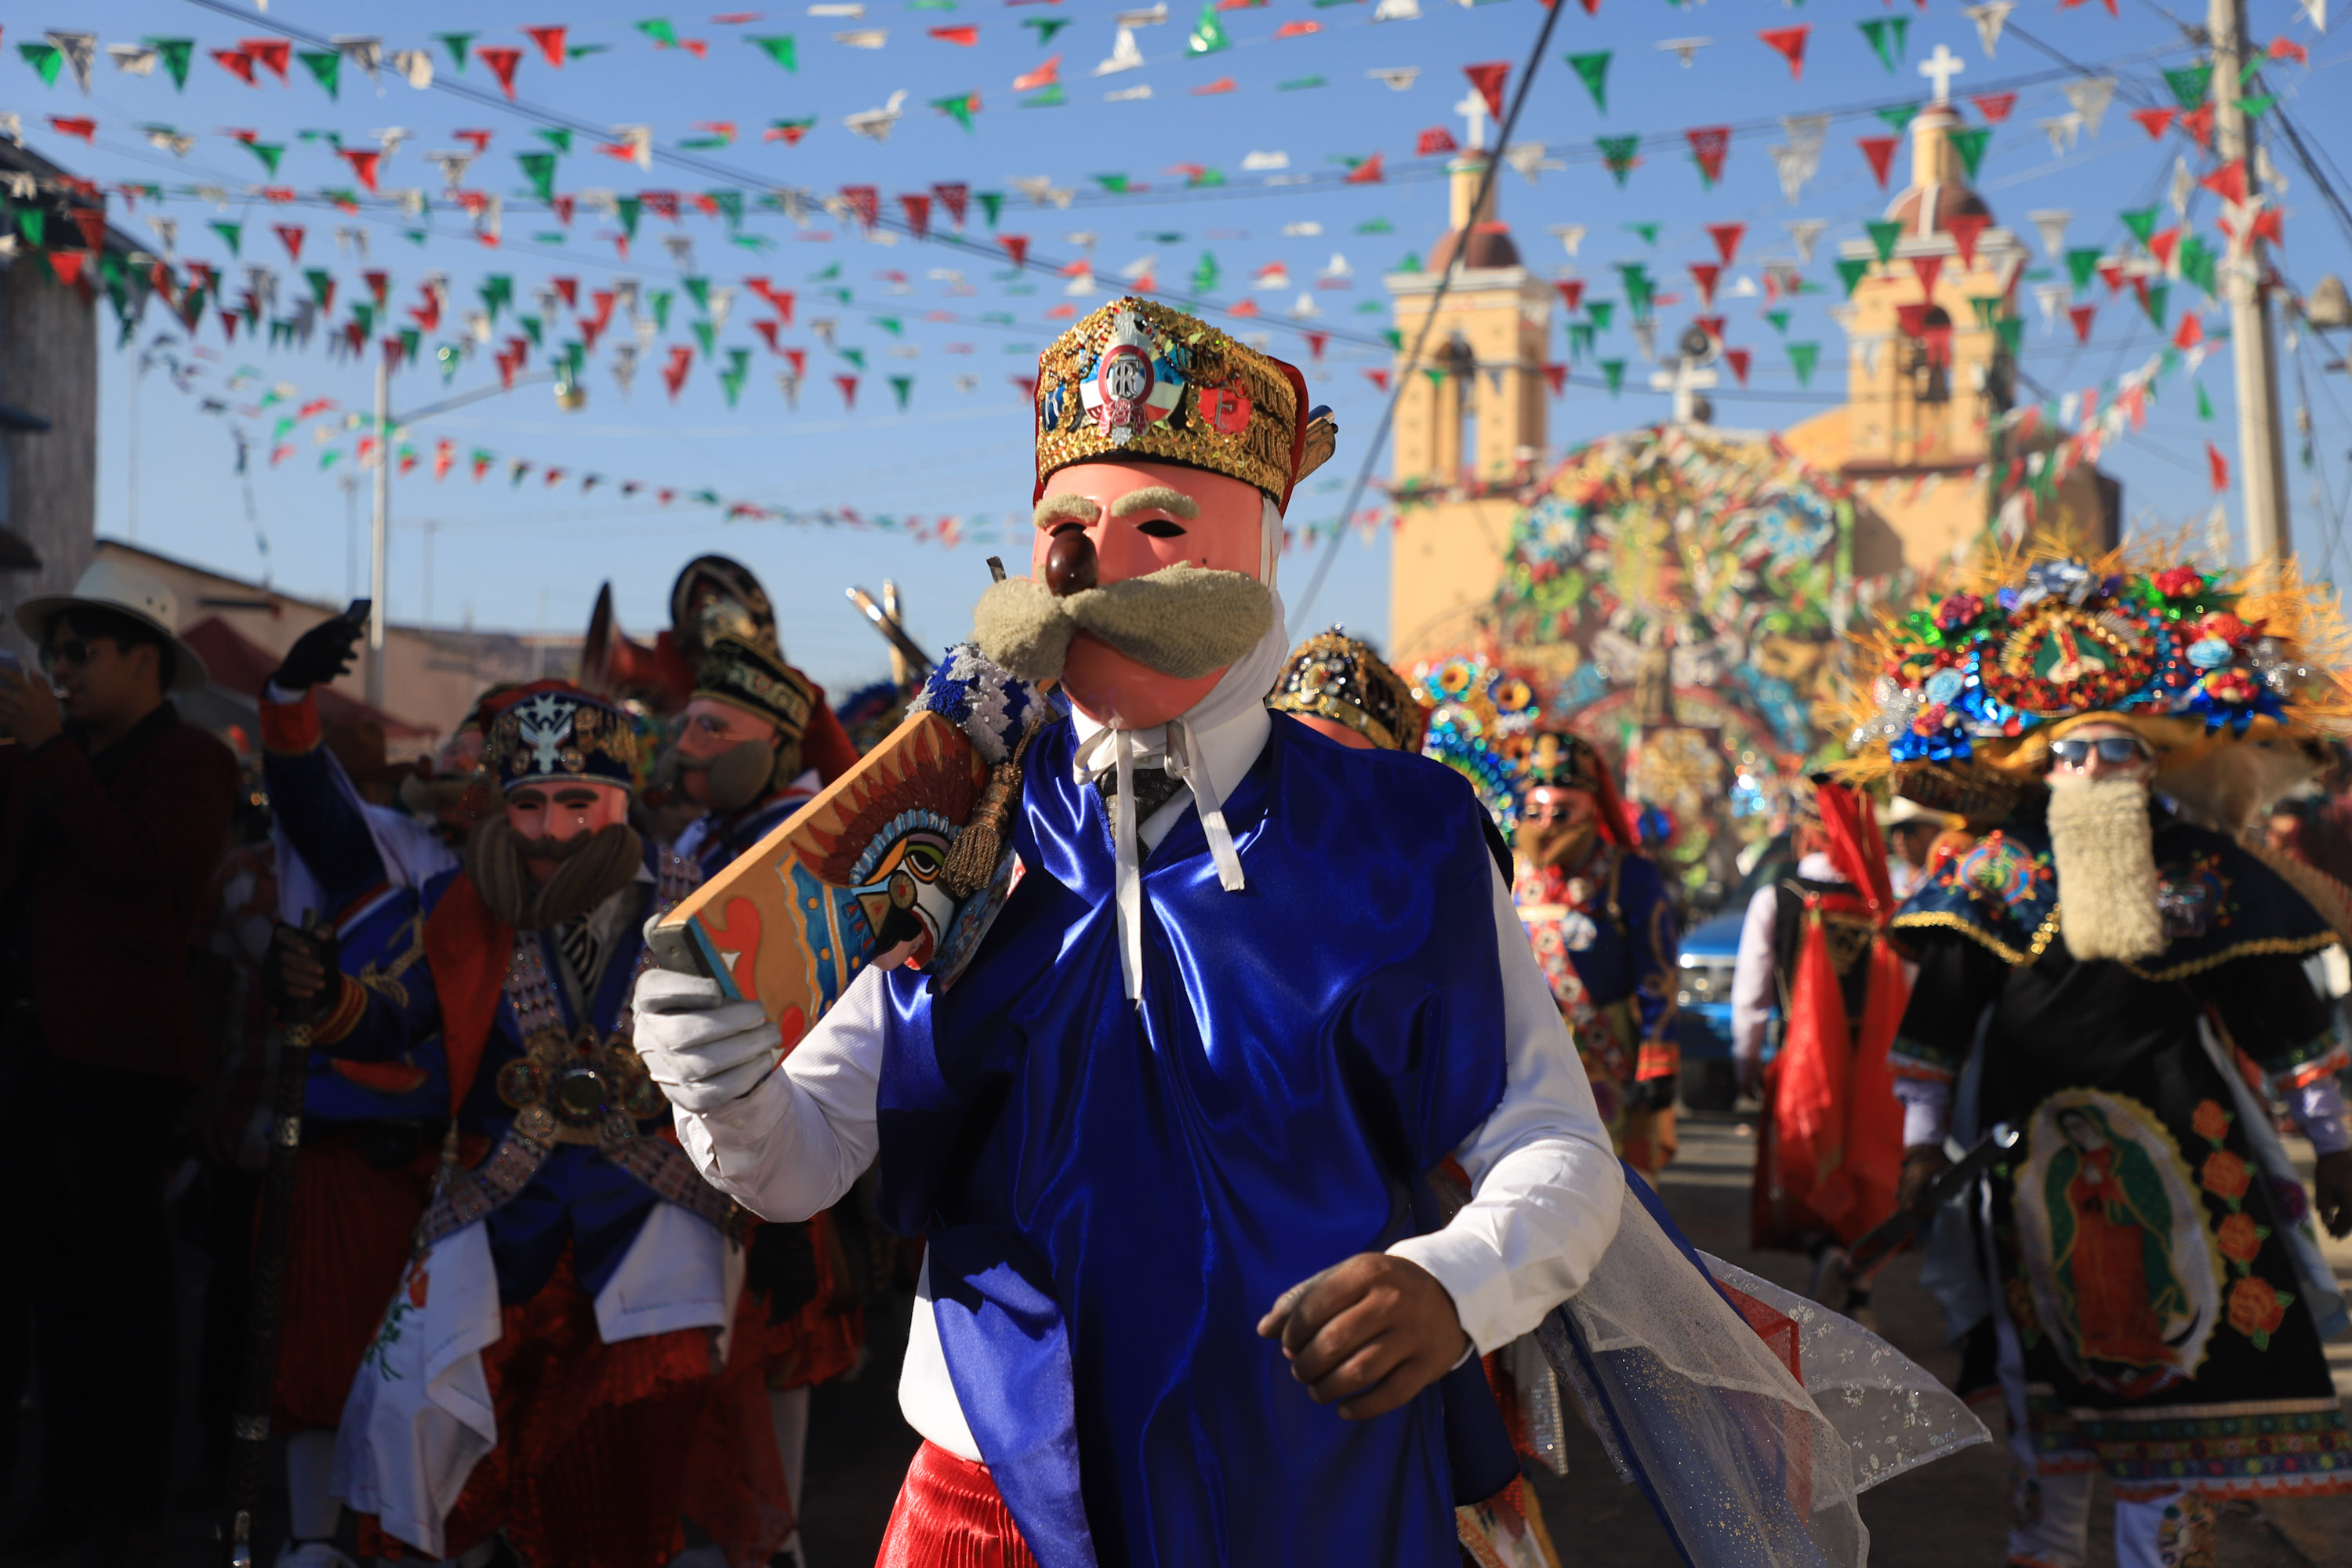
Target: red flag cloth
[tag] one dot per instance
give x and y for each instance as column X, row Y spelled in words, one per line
column 1829, row 1153
column 918, row 210
column 1433, row 141
column 2228, row 181
column 1315, row 344
column 1738, row 360
column 1927, row 268
column 1966, row 229
column 1994, row 106
column 549, row 41
column 502, row 64
column 1880, row 150
column 92, row 221
column 2220, row 466
column 1708, row 143
column 1791, row 44
column 1489, row 79
column 289, row 235
column 362, row 162
column 2198, row 123
column 1554, row 375
column 1378, row 378
column 951, row 196
column 967, row 35
column 1016, row 245
column 65, row 265
column 273, row 54
column 2192, row 333
column 2156, row 122
column 74, row 125
column 469, row 948
column 848, row 385
column 1727, row 237
column 238, row 63
column 1571, row 292
column 1704, row 274
column 1367, row 173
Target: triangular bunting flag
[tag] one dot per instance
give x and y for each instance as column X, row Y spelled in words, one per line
column 1594, row 71
column 1790, row 44
column 1880, row 150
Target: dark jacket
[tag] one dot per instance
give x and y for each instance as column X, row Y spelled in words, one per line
column 105, row 860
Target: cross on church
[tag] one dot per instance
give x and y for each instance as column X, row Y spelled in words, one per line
column 1685, row 380
column 1472, row 110
column 1943, row 65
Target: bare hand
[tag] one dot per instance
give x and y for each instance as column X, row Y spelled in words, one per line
column 29, row 709
column 1922, row 1164
column 1368, row 1333
column 2331, row 1191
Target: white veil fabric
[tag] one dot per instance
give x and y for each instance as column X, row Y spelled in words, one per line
column 1751, row 1418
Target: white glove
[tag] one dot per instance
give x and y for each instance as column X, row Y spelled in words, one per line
column 703, row 1050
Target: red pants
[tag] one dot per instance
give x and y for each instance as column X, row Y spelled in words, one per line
column 949, row 1515
column 593, row 1439
column 352, row 1227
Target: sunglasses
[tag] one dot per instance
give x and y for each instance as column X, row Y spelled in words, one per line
column 75, row 651
column 2113, row 750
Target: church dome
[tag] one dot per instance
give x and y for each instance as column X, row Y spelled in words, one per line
column 1951, row 201
column 1490, row 246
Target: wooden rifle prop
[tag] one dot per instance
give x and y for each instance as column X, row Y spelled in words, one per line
column 910, row 663
column 1845, row 1272
column 257, row 1372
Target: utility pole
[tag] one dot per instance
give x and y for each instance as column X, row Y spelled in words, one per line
column 381, row 545
column 2262, row 469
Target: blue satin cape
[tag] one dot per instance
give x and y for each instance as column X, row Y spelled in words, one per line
column 1116, row 1193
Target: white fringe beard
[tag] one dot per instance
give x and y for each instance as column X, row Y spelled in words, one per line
column 2105, row 853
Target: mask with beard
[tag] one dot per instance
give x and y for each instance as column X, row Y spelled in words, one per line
column 1182, row 620
column 734, row 778
column 590, row 868
column 1557, row 843
column 2106, row 855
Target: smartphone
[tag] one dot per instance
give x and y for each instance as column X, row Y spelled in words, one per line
column 360, row 611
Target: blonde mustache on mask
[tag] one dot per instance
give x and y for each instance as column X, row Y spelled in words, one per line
column 2106, row 855
column 1184, row 621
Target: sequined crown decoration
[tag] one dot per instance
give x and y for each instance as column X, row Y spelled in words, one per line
column 556, row 733
column 1975, row 680
column 1562, row 761
column 1482, row 725
column 753, row 679
column 1333, row 676
column 1143, row 383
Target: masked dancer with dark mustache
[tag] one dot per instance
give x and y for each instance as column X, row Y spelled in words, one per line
column 2115, row 970
column 545, row 1362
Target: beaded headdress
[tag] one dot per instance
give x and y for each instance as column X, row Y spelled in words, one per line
column 1143, row 383
column 1333, row 676
column 554, row 732
column 1482, row 725
column 1966, row 691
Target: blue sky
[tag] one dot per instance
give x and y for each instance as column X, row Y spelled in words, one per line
column 520, row 556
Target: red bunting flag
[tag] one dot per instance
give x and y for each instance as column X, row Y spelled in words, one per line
column 2198, row 123
column 1738, row 360
column 767, row 330
column 92, row 221
column 2228, row 181
column 681, row 358
column 445, row 453
column 1315, row 342
column 1966, row 229
column 1708, row 143
column 549, row 41
column 1016, row 245
column 1367, row 173
column 2190, row 333
column 2162, row 244
column 1048, row 75
column 779, row 299
column 1703, row 274
column 1378, row 378
column 603, row 300
column 2288, row 49
column 1726, row 236
column 67, row 266
column 364, row 162
column 1489, row 79
column 1571, row 292
column 479, row 141
column 954, row 197
column 1913, row 318
column 272, row 55
column 848, row 385
column 2155, row 122
column 1880, row 150
column 502, row 64
column 289, row 235
column 1927, row 268
column 864, row 205
column 1222, row 84
column 74, row 125
column 968, row 36
column 1246, row 307
column 1994, row 106
column 1435, row 142
column 591, row 329
column 238, row 63
column 798, row 360
column 379, row 283
column 566, row 289
column 2220, row 466
column 2080, row 316
column 1297, row 29
column 1790, row 44
column 918, row 210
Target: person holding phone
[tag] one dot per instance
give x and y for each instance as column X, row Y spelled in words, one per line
column 112, row 815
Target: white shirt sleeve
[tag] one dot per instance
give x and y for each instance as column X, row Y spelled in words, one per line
column 1546, row 1186
column 2317, row 1108
column 795, row 1145
column 1751, row 977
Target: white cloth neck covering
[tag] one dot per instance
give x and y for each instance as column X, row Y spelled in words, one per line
column 1175, row 746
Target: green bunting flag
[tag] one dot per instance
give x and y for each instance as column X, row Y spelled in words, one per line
column 1593, row 70
column 530, row 326
column 1299, row 84
column 1208, row 35
column 457, row 44
column 703, row 334
column 2082, row 266
column 991, row 203
column 327, row 67
column 2142, row 223
column 2253, row 107
column 1985, row 306
column 363, row 316
column 1045, row 27
column 1115, row 183
column 2155, row 301
column 1884, row 232
column 1376, row 225
column 1050, row 96
column 1206, row 273
column 268, row 153
column 1580, row 339
column 958, row 106
column 2204, row 404
column 854, row 356
column 628, row 209
column 2010, row 330
column 1779, row 319
column 1899, row 116
column 1602, row 312
column 538, row 168
column 1803, row 357
column 175, row 54
column 892, row 325
column 780, row 50
column 901, row 387
column 1612, row 371
column 1850, row 271
column 661, row 300
column 232, row 235
column 2197, row 264
column 658, row 29
column 1648, row 231
column 1969, row 144
column 560, row 140
column 2189, row 84
column 33, row 224
column 1889, row 37
column 322, row 286
column 699, row 290
column 729, row 204
column 45, row 58
column 497, row 290
column 1618, row 153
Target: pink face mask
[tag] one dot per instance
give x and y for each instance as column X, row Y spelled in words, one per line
column 1138, row 518
column 566, row 810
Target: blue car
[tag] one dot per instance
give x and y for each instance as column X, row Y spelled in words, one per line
column 1710, row 950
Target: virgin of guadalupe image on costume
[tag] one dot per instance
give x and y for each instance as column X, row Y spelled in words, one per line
column 2114, row 1244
